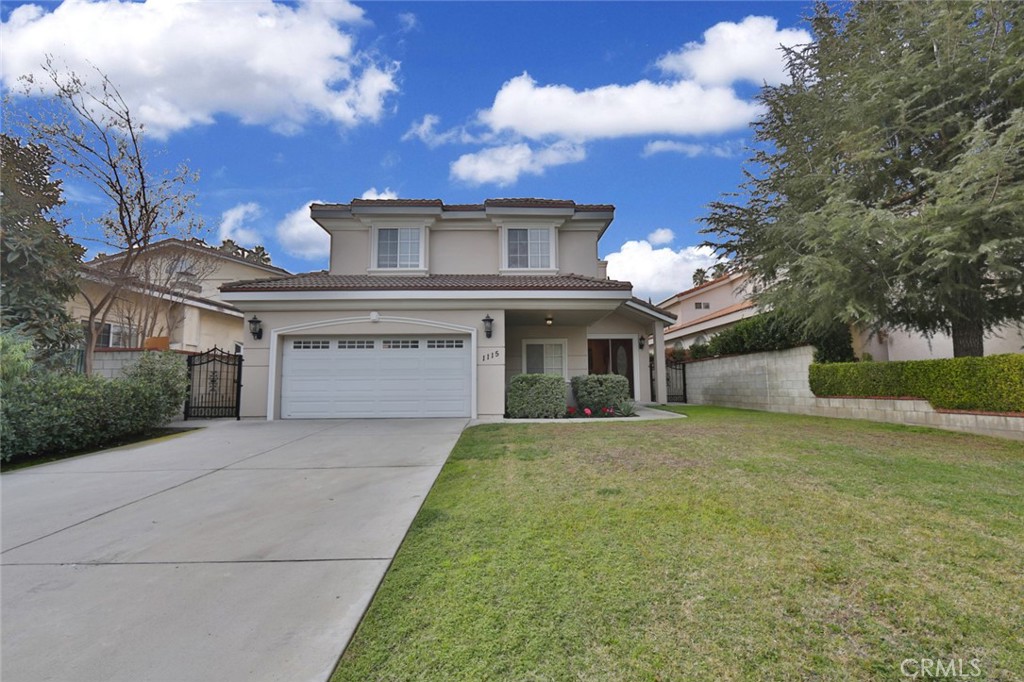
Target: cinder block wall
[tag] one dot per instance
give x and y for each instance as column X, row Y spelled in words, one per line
column 777, row 382
column 112, row 363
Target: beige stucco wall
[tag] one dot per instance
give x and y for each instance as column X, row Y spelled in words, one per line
column 577, row 252
column 350, row 252
column 489, row 353
column 221, row 330
column 229, row 271
column 463, row 252
column 902, row 345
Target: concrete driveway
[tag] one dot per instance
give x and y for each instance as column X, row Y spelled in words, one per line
column 242, row 551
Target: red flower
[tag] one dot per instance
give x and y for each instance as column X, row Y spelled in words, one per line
column 572, row 410
column 586, row 411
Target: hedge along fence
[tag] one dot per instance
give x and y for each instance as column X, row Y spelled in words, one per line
column 772, row 331
column 596, row 391
column 47, row 412
column 536, row 396
column 990, row 384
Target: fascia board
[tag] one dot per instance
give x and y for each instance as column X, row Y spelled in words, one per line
column 434, row 294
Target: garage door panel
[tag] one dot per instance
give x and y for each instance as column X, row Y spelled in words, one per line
column 394, row 376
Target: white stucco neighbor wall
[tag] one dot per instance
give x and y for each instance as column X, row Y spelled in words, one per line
column 777, row 382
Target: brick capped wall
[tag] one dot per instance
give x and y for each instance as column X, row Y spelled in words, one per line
column 777, row 382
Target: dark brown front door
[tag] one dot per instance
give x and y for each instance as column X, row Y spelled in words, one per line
column 612, row 356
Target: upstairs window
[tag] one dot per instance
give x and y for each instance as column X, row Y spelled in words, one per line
column 399, row 247
column 702, row 305
column 529, row 248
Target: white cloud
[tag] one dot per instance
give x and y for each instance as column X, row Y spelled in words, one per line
column 729, row 149
column 426, row 132
column 301, row 237
column 657, row 273
column 180, row 64
column 662, row 235
column 386, row 193
column 408, row 22
column 644, row 108
column 504, row 164
column 235, row 224
column 747, row 51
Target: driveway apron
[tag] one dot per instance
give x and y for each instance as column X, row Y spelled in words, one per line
column 241, row 551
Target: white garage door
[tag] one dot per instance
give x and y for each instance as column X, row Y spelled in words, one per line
column 388, row 376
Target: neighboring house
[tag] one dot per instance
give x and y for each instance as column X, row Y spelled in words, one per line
column 173, row 293
column 704, row 310
column 429, row 309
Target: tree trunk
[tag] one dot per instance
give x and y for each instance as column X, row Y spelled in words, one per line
column 968, row 339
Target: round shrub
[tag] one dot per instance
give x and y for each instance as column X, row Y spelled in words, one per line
column 536, row 396
column 597, row 391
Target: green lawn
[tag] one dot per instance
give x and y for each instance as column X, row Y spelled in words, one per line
column 729, row 545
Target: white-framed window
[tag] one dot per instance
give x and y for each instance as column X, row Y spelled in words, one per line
column 546, row 356
column 702, row 305
column 113, row 336
column 398, row 248
column 528, row 247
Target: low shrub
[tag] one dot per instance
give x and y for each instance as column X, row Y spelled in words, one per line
column 53, row 412
column 536, row 396
column 992, row 384
column 599, row 391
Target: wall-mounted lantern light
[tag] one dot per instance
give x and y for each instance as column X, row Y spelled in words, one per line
column 641, row 342
column 256, row 328
column 488, row 326
column 549, row 320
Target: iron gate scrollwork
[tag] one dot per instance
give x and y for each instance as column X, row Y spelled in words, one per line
column 214, row 385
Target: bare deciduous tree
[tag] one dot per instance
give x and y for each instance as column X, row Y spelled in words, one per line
column 95, row 137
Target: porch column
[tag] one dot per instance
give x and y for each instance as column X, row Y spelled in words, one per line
column 660, row 384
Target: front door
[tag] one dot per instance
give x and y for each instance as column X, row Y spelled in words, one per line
column 612, row 356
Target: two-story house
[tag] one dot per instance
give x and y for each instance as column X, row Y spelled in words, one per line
column 429, row 309
column 704, row 310
column 172, row 292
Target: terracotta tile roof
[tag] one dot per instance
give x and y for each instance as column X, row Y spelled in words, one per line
column 397, row 202
column 734, row 308
column 194, row 244
column 525, row 202
column 322, row 281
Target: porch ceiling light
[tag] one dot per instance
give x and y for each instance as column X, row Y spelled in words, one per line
column 488, row 326
column 256, row 327
column 549, row 320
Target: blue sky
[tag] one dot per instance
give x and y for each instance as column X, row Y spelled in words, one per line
column 642, row 105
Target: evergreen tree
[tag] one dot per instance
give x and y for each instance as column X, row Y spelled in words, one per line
column 39, row 260
column 889, row 187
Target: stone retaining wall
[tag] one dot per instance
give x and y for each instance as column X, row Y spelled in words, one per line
column 777, row 382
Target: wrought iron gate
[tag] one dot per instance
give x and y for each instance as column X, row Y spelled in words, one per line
column 676, row 371
column 215, row 385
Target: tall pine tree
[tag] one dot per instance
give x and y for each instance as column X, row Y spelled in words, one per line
column 889, row 188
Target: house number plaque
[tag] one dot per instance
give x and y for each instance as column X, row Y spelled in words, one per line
column 490, row 357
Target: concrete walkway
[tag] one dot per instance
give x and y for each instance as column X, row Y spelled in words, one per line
column 242, row 551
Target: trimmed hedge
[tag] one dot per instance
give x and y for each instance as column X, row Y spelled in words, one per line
column 771, row 331
column 991, row 384
column 536, row 396
column 596, row 391
column 53, row 413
